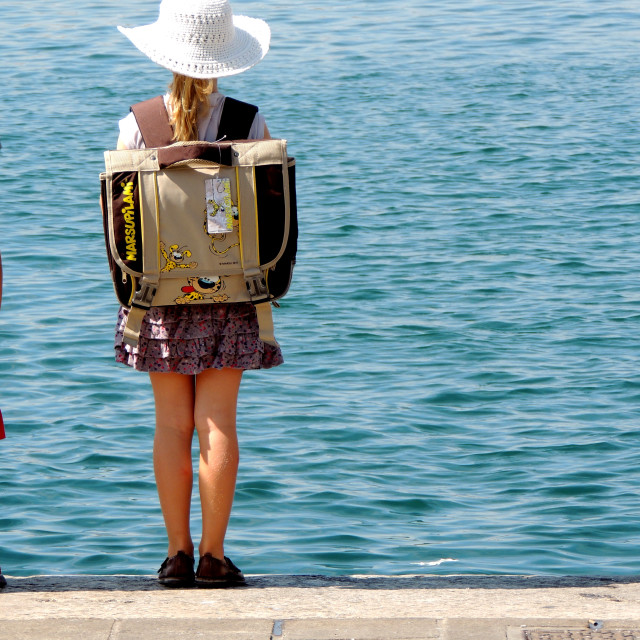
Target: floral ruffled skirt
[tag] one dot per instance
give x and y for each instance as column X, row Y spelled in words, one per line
column 191, row 338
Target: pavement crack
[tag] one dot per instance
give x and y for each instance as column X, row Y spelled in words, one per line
column 111, row 636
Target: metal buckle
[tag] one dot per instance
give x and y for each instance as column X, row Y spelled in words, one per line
column 257, row 286
column 144, row 296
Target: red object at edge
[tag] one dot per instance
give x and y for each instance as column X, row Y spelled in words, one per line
column 2, row 435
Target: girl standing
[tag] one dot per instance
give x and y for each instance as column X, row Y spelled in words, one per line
column 195, row 354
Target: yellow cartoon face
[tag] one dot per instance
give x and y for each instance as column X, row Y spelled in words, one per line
column 204, row 285
column 203, row 289
column 175, row 258
column 178, row 254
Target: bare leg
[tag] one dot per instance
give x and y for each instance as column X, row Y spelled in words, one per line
column 215, row 418
column 174, row 398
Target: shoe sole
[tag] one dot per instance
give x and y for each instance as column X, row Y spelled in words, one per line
column 218, row 584
column 175, row 582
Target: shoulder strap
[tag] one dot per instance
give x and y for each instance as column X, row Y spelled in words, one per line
column 156, row 130
column 236, row 119
column 153, row 122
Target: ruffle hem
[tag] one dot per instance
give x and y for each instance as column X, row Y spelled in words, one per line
column 191, row 338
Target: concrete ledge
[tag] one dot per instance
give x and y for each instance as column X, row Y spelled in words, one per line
column 315, row 608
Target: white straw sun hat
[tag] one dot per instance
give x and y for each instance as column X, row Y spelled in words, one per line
column 202, row 38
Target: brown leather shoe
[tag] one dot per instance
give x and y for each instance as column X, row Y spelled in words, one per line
column 177, row 571
column 217, row 574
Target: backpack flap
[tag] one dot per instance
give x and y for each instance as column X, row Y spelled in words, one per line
column 198, row 223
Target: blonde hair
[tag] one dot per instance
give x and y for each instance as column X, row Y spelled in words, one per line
column 187, row 95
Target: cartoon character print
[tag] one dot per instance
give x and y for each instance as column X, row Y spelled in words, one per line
column 175, row 258
column 203, row 289
column 221, row 217
column 218, row 240
column 220, row 207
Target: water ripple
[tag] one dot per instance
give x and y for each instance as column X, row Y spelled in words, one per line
column 461, row 390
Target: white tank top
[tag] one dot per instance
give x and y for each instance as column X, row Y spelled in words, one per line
column 208, row 124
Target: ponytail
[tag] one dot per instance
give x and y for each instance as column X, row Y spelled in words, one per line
column 186, row 97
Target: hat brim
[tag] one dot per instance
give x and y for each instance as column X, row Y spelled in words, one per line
column 249, row 45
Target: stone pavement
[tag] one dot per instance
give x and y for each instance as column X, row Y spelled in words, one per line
column 323, row 608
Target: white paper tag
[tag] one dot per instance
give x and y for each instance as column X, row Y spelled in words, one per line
column 220, row 209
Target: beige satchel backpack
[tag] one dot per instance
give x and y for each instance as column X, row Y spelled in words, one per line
column 199, row 222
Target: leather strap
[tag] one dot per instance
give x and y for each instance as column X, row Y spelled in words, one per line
column 236, row 119
column 153, row 122
column 132, row 326
column 265, row 323
column 156, row 130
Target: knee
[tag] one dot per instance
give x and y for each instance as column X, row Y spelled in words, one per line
column 175, row 427
column 218, row 437
column 172, row 448
column 215, row 426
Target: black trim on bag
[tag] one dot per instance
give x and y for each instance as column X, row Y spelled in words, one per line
column 127, row 228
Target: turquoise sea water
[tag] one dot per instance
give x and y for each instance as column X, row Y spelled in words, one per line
column 461, row 386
